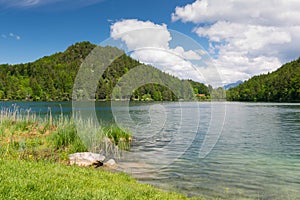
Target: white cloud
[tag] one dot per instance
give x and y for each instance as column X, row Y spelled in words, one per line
column 14, row 36
column 11, row 35
column 150, row 44
column 246, row 37
column 138, row 34
column 168, row 61
column 189, row 55
column 20, row 3
column 270, row 13
column 35, row 3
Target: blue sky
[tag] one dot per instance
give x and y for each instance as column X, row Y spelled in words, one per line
column 45, row 29
column 243, row 38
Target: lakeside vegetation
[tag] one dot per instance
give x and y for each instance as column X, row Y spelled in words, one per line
column 25, row 136
column 282, row 85
column 34, row 162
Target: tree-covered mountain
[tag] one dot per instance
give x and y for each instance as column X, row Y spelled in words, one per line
column 282, row 85
column 51, row 78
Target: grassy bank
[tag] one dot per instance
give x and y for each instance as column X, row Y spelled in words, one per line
column 40, row 180
column 34, row 161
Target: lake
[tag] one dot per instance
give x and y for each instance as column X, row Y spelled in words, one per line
column 221, row 149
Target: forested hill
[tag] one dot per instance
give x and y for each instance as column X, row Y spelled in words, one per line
column 283, row 85
column 51, row 78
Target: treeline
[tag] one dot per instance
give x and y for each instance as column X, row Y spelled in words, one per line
column 283, row 85
column 47, row 79
column 51, row 78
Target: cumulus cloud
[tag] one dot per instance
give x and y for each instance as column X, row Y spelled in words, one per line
column 139, row 34
column 150, row 44
column 246, row 37
column 267, row 13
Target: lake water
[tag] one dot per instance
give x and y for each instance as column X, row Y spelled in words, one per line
column 226, row 150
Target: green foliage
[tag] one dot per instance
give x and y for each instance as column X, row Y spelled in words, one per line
column 199, row 88
column 66, row 137
column 218, row 94
column 283, row 85
column 118, row 136
column 40, row 180
column 51, row 78
column 24, row 136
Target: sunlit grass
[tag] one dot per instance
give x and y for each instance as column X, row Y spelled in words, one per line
column 40, row 180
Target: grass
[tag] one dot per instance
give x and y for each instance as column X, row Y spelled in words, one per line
column 24, row 136
column 40, row 180
column 34, row 160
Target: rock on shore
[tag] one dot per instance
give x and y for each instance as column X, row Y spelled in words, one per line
column 111, row 163
column 86, row 159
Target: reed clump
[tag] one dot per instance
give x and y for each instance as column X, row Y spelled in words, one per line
column 23, row 135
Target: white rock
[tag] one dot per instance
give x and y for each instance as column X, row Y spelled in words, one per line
column 111, row 163
column 86, row 159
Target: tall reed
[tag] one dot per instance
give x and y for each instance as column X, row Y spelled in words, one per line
column 24, row 135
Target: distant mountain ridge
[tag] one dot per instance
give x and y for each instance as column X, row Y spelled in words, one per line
column 232, row 85
column 51, row 78
column 282, row 85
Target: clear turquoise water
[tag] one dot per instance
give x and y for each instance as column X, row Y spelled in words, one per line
column 257, row 155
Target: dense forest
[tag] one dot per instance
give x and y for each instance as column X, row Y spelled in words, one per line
column 282, row 85
column 51, row 78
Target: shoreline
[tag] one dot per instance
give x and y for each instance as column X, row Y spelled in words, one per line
column 30, row 145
